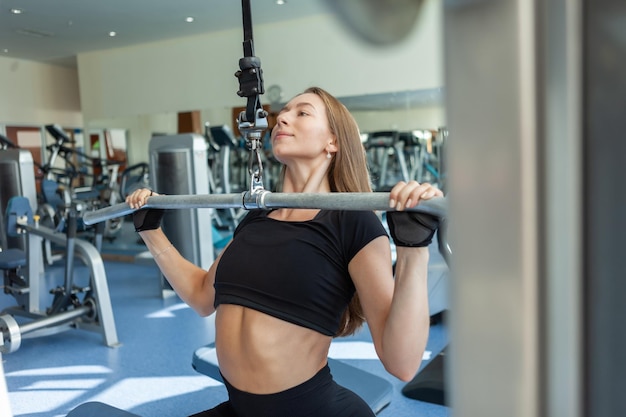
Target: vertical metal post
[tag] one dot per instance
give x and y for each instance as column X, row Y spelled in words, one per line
column 35, row 273
column 513, row 75
column 604, row 124
column 496, row 206
column 563, row 234
column 100, row 287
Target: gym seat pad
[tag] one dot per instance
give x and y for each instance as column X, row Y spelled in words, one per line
column 12, row 258
column 96, row 409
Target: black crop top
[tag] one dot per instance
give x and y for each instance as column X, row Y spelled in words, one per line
column 295, row 271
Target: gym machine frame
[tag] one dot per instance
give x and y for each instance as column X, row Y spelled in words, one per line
column 94, row 314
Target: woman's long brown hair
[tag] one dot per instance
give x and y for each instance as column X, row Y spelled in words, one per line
column 348, row 172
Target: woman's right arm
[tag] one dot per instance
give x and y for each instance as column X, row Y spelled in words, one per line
column 193, row 284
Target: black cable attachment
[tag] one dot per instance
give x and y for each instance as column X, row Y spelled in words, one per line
column 250, row 74
column 250, row 85
column 252, row 122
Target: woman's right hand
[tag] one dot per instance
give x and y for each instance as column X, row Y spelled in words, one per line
column 149, row 219
column 139, row 197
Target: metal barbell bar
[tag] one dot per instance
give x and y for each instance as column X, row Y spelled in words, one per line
column 262, row 199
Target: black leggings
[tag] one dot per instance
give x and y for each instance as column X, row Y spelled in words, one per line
column 319, row 396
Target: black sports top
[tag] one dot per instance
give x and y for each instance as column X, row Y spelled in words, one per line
column 295, row 271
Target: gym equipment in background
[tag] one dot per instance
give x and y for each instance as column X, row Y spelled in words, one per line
column 23, row 268
column 178, row 165
column 59, row 189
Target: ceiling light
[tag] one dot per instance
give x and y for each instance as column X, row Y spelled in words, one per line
column 5, row 50
column 281, row 2
column 112, row 33
column 189, row 19
column 17, row 11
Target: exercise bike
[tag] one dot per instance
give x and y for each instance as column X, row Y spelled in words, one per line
column 58, row 188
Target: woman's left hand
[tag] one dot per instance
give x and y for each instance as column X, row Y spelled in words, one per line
column 409, row 194
column 411, row 229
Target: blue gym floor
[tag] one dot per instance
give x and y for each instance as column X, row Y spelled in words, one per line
column 150, row 372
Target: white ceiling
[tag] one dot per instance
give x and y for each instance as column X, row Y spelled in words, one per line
column 54, row 31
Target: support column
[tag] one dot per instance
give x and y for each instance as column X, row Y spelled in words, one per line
column 513, row 106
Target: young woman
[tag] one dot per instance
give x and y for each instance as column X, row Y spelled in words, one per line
column 292, row 279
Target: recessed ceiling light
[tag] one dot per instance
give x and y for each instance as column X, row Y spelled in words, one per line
column 189, row 19
column 112, row 33
column 17, row 11
column 281, row 2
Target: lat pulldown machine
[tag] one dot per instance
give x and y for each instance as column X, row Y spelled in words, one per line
column 252, row 122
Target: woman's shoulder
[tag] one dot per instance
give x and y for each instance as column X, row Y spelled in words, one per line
column 356, row 229
column 355, row 215
column 355, row 219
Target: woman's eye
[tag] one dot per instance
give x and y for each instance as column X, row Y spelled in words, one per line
column 302, row 113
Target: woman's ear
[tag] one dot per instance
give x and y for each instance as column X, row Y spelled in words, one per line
column 332, row 146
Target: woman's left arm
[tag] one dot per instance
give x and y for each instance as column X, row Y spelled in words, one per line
column 397, row 309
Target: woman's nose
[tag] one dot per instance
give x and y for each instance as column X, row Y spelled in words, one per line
column 281, row 119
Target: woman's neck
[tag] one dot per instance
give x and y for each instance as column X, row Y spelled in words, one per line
column 306, row 181
column 302, row 181
column 305, row 187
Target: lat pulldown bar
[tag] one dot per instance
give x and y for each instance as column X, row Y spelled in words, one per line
column 263, row 199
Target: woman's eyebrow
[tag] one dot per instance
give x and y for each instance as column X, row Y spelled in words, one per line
column 305, row 104
column 297, row 105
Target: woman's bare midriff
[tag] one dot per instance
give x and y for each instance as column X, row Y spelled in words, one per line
column 261, row 354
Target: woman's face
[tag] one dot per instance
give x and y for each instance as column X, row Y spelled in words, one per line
column 301, row 130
